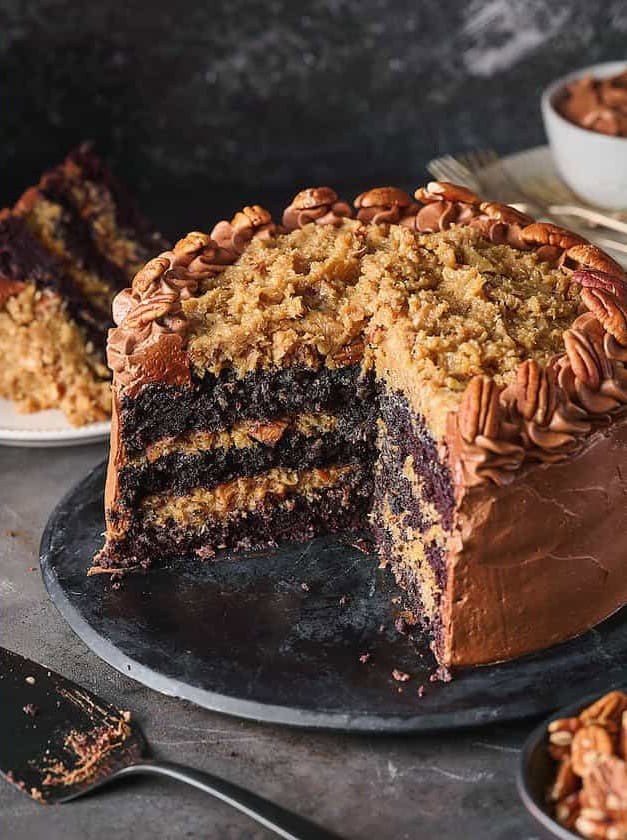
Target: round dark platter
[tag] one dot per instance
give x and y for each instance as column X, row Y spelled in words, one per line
column 277, row 636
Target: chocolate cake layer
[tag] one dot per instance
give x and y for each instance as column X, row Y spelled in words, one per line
column 214, row 403
column 71, row 234
column 413, row 508
column 177, row 472
column 127, row 214
column 24, row 259
column 342, row 506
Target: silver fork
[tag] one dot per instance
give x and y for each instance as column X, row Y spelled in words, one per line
column 469, row 170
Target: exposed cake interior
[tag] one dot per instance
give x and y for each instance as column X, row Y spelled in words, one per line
column 325, row 362
column 67, row 248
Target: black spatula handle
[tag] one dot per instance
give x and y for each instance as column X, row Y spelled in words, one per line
column 284, row 823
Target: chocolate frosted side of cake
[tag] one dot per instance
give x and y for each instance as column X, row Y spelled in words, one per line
column 66, row 248
column 439, row 371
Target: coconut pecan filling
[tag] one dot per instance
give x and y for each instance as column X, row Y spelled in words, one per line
column 241, row 494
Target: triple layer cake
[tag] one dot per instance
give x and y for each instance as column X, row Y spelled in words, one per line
column 445, row 371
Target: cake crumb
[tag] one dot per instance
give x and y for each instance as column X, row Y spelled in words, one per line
column 441, row 674
column 401, row 626
column 365, row 657
column 400, row 676
column 362, row 545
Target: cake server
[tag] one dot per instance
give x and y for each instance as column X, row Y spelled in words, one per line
column 59, row 741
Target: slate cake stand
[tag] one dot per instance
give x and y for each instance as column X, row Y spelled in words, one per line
column 305, row 635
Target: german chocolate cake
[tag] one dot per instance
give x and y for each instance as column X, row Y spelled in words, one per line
column 446, row 371
column 66, row 248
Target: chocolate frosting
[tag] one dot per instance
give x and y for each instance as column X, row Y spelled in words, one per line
column 386, row 205
column 234, row 236
column 318, row 205
column 541, row 559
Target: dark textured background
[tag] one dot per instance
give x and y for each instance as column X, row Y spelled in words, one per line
column 202, row 106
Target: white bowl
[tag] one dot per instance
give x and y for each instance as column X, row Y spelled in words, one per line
column 594, row 165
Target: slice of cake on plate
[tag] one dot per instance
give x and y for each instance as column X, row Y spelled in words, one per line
column 447, row 371
column 66, row 248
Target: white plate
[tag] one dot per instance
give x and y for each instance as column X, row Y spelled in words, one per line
column 46, row 428
column 50, row 428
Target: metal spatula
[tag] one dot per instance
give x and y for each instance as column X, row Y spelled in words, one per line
column 59, row 741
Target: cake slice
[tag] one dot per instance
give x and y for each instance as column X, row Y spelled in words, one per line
column 66, row 248
column 444, row 371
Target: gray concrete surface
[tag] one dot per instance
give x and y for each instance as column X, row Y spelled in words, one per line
column 448, row 786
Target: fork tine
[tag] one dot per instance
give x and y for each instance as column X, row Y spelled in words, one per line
column 447, row 168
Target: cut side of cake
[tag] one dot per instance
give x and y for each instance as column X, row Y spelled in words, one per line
column 445, row 372
column 67, row 248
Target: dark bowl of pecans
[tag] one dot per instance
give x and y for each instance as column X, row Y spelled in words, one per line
column 572, row 775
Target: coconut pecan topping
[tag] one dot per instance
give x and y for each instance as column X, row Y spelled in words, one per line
column 151, row 309
column 385, row 204
column 545, row 414
column 319, row 205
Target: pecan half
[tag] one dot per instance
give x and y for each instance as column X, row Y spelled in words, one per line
column 536, row 392
column 191, row 245
column 566, row 781
column 543, row 233
column 585, row 255
column 608, row 310
column 149, row 310
column 589, row 278
column 605, row 784
column 583, row 358
column 607, row 710
column 147, row 278
column 571, row 724
column 479, row 411
column 445, row 191
column 505, row 213
column 567, row 810
column 595, row 827
column 588, row 744
column 383, row 197
column 313, row 197
column 269, row 433
column 247, row 223
column 319, row 205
